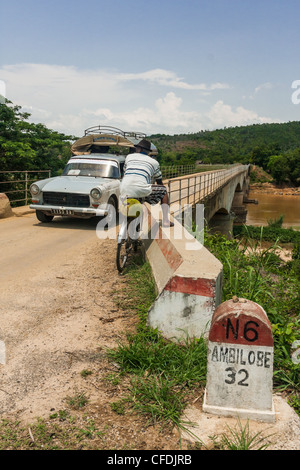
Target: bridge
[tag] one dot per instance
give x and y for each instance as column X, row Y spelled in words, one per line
column 222, row 192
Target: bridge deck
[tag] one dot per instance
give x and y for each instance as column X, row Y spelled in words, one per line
column 193, row 189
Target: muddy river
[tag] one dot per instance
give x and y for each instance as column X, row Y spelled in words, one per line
column 272, row 206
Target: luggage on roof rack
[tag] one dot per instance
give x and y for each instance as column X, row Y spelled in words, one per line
column 113, row 130
column 102, row 136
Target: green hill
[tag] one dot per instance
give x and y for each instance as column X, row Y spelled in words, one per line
column 274, row 147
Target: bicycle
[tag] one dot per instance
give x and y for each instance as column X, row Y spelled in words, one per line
column 131, row 214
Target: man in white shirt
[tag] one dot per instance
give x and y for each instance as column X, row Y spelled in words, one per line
column 140, row 173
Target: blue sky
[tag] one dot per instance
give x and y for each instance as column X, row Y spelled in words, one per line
column 166, row 66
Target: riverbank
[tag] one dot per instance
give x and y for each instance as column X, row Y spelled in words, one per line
column 262, row 182
column 271, row 188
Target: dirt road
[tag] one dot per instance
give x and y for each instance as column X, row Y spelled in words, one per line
column 55, row 286
column 58, row 317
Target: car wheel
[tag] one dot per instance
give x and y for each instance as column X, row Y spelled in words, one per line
column 43, row 217
column 112, row 211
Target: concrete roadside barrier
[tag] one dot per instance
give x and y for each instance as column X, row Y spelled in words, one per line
column 188, row 279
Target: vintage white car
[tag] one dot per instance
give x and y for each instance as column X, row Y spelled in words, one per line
column 90, row 183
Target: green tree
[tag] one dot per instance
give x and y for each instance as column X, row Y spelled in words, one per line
column 260, row 156
column 277, row 165
column 293, row 157
column 29, row 146
column 286, row 167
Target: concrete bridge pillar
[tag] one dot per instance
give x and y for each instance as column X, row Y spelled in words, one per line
column 238, row 207
column 222, row 223
column 238, row 199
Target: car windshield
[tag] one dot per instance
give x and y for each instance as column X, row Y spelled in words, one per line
column 102, row 169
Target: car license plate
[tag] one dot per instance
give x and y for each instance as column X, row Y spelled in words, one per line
column 62, row 211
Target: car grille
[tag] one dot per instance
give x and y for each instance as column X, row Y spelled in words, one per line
column 66, row 199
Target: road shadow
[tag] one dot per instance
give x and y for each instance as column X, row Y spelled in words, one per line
column 71, row 223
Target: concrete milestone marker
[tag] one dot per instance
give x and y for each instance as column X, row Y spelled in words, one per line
column 240, row 362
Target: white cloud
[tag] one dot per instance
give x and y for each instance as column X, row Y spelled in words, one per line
column 263, row 86
column 52, row 85
column 165, row 115
column 2, row 88
column 170, row 79
column 69, row 100
column 222, row 115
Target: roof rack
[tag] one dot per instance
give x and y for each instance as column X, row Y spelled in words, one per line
column 113, row 130
column 98, row 136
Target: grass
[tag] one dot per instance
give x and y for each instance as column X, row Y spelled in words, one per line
column 164, row 374
column 277, row 223
column 67, row 433
column 85, row 373
column 269, row 233
column 147, row 352
column 159, row 399
column 77, row 401
column 241, row 439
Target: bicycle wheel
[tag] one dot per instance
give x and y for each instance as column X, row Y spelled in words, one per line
column 123, row 250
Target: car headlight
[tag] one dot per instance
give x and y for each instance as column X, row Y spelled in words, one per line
column 34, row 189
column 96, row 193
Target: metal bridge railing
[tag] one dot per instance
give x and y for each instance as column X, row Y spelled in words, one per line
column 174, row 171
column 195, row 188
column 17, row 183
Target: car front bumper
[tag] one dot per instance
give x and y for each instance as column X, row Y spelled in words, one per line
column 67, row 211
